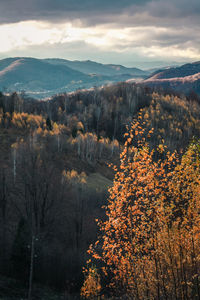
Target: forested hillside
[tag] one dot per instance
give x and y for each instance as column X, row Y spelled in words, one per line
column 184, row 79
column 55, row 172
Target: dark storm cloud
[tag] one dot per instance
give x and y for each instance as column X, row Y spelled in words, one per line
column 174, row 8
column 95, row 11
column 21, row 10
column 165, row 13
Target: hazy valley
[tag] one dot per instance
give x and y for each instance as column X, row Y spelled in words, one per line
column 44, row 78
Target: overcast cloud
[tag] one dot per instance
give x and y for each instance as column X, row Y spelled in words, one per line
column 129, row 32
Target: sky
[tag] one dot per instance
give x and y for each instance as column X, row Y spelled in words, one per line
column 141, row 33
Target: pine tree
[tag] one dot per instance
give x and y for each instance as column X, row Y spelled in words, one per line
column 48, row 123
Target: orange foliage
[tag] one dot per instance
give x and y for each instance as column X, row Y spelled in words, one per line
column 92, row 286
column 149, row 247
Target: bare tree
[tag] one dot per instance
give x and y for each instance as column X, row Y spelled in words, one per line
column 34, row 186
column 4, row 195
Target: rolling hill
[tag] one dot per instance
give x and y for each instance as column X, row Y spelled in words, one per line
column 41, row 78
column 38, row 77
column 91, row 67
column 182, row 79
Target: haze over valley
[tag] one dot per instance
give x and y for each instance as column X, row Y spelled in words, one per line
column 43, row 78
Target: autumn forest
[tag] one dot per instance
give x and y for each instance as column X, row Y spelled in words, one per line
column 99, row 195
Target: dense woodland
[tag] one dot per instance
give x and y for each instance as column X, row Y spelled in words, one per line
column 55, row 173
column 149, row 244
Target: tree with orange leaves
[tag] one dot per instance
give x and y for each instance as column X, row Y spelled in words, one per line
column 149, row 244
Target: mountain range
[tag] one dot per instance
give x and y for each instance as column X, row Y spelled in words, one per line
column 91, row 67
column 185, row 78
column 42, row 78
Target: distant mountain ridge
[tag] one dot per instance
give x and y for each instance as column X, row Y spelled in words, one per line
column 43, row 78
column 182, row 71
column 46, row 77
column 91, row 67
column 185, row 78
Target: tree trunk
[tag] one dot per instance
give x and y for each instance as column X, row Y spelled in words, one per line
column 31, row 268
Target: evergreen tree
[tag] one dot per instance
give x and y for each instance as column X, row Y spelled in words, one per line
column 48, row 123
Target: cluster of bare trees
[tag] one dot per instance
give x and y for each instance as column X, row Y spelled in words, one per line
column 91, row 149
column 46, row 217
